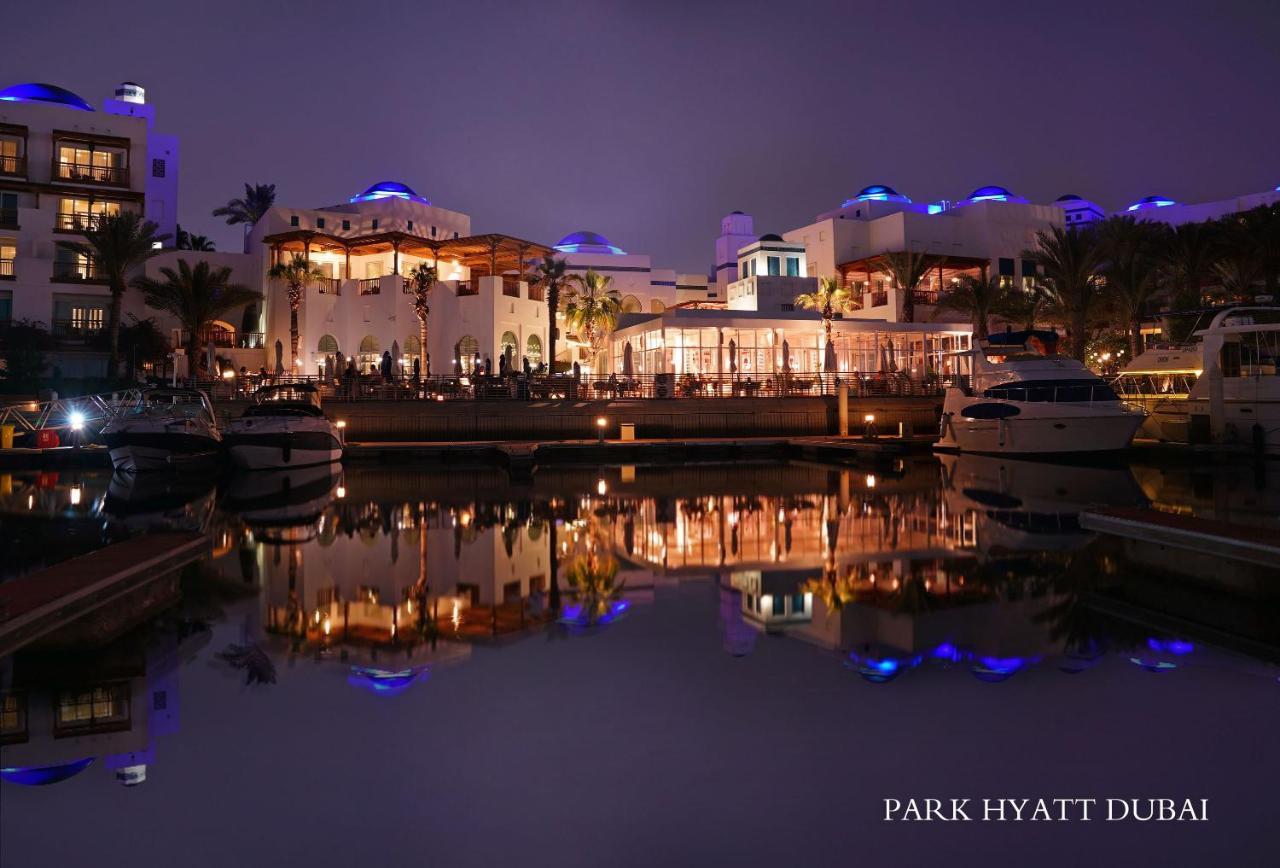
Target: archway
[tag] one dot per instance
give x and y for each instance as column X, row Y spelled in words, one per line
column 631, row 304
column 533, row 349
column 370, row 355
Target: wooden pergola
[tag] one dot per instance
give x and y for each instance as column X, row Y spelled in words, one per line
column 942, row 265
column 489, row 254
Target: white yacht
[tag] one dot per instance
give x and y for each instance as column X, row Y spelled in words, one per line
column 284, row 428
column 1236, row 398
column 167, row 428
column 1161, row 376
column 1018, row 401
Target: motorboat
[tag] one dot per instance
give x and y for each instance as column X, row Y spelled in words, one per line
column 284, row 428
column 160, row 501
column 1236, row 398
column 1021, row 397
column 284, row 505
column 1162, row 376
column 166, row 428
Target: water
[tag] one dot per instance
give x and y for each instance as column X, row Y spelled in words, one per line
column 779, row 649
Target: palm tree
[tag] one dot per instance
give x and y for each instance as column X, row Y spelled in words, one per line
column 296, row 274
column 1240, row 263
column 257, row 201
column 1186, row 261
column 1068, row 260
column 422, row 278
column 593, row 308
column 906, row 269
column 1262, row 225
column 552, row 275
column 981, row 298
column 117, row 245
column 1131, row 266
column 189, row 241
column 830, row 298
column 195, row 297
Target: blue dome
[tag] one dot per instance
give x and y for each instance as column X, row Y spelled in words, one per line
column 587, row 242
column 990, row 193
column 876, row 193
column 1152, row 202
column 42, row 776
column 37, row 92
column 1069, row 197
column 389, row 190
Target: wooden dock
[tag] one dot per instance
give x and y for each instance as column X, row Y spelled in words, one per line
column 1252, row 545
column 36, row 605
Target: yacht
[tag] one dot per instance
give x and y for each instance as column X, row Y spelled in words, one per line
column 1160, row 377
column 1236, row 398
column 167, row 428
column 284, row 428
column 1022, row 398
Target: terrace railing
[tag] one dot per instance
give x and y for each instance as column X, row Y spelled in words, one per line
column 78, row 221
column 370, row 286
column 10, row 165
column 76, row 331
column 6, row 269
column 328, row 286
column 468, row 287
column 511, row 287
column 115, row 175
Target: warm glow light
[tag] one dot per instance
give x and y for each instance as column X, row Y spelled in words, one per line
column 342, row 423
column 342, row 492
column 228, row 374
column 327, row 627
column 871, row 480
column 601, row 422
column 869, row 418
column 75, row 496
column 601, row 487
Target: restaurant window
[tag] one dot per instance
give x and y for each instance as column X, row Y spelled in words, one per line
column 793, row 266
column 13, row 718
column 92, row 708
column 533, row 349
column 774, row 264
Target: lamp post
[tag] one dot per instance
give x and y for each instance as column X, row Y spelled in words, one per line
column 601, row 422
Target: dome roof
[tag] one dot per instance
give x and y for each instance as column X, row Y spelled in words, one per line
column 990, row 193
column 1068, row 197
column 41, row 776
column 1152, row 202
column 731, row 213
column 876, row 193
column 37, row 92
column 587, row 242
column 770, row 236
column 389, row 190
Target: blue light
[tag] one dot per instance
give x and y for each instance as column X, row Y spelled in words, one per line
column 1176, row 647
column 1157, row 667
column 876, row 193
column 588, row 242
column 384, row 682
column 50, row 93
column 575, row 615
column 994, row 670
column 880, row 668
column 937, row 207
column 389, row 190
column 947, row 651
column 1152, row 202
column 41, row 776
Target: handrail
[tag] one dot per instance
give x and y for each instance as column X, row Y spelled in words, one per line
column 90, row 172
column 370, row 285
column 13, row 165
column 92, row 411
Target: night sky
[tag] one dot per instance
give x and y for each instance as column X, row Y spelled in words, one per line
column 649, row 120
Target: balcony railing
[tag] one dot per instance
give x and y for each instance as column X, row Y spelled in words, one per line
column 74, row 330
column 13, row 166
column 117, row 175
column 511, row 287
column 925, row 296
column 78, row 221
column 8, row 218
column 329, row 286
column 76, row 273
column 370, row 286
column 227, row 340
column 6, row 269
column 535, row 294
column 880, row 298
column 468, row 287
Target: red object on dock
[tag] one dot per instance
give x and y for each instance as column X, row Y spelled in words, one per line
column 47, row 439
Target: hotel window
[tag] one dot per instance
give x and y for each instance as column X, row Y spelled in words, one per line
column 375, row 224
column 774, row 264
column 1006, row 267
column 90, row 162
column 80, row 710
column 410, row 225
column 293, row 220
column 86, row 318
column 11, row 156
column 79, row 214
column 69, row 265
column 744, row 271
column 13, row 718
column 433, row 232
column 157, row 168
column 319, row 222
column 346, row 224
column 793, row 266
column 8, row 253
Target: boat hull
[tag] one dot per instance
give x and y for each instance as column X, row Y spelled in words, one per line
column 282, row 449
column 133, row 452
column 1039, row 429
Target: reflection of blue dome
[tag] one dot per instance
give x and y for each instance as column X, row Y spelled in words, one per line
column 876, row 193
column 587, row 242
column 40, row 776
column 37, row 92
column 1069, row 197
column 770, row 237
column 389, row 190
column 1152, row 202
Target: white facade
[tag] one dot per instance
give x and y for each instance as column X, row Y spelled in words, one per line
column 63, row 165
column 1166, row 210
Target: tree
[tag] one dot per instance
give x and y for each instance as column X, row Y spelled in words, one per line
column 296, row 274
column 422, row 278
column 257, row 201
column 1130, row 252
column 1238, row 266
column 1068, row 260
column 552, row 275
column 141, row 340
column 117, row 245
column 981, row 298
column 1186, row 261
column 906, row 269
column 188, row 241
column 593, row 308
column 1261, row 226
column 24, row 347
column 829, row 299
column 195, row 297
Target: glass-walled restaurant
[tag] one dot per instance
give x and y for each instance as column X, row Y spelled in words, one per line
column 745, row 345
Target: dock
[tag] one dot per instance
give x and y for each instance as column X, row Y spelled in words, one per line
column 1240, row 543
column 36, row 605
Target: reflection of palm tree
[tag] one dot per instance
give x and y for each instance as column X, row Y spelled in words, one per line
column 593, row 585
column 913, row 596
column 832, row 589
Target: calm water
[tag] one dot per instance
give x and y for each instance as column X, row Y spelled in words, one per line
column 702, row 665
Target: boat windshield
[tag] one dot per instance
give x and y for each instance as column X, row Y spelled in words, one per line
column 176, row 405
column 1154, row 383
column 288, row 393
column 1053, row 391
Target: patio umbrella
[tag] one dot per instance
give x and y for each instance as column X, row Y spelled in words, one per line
column 626, row 360
column 209, row 358
column 786, row 357
column 279, row 357
column 884, row 361
column 830, row 363
column 395, row 360
column 733, row 356
column 893, row 361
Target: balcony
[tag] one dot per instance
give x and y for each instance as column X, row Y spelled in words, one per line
column 468, row 287
column 79, row 221
column 9, row 218
column 6, row 269
column 535, row 293
column 73, row 272
column 116, row 176
column 328, row 286
column 13, row 167
column 511, row 287
column 224, row 339
column 370, row 286
column 76, row 331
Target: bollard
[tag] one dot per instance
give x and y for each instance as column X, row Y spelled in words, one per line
column 842, row 402
column 6, row 436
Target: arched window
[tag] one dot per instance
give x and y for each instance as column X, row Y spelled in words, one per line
column 411, row 345
column 328, row 345
column 509, row 346
column 370, row 355
column 533, row 349
column 631, row 304
column 465, row 353
column 656, row 306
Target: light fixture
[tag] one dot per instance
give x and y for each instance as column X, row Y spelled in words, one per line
column 75, row 495
column 228, row 374
column 601, row 422
column 77, row 420
column 342, row 423
column 871, row 480
column 342, row 492
column 601, row 487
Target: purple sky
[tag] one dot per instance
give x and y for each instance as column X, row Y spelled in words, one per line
column 649, row 120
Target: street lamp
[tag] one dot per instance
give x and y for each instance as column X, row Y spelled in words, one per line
column 601, row 422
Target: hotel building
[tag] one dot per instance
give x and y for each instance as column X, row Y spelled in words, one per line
column 63, row 165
